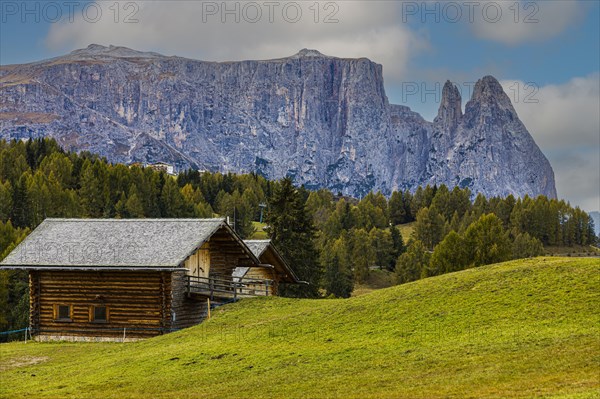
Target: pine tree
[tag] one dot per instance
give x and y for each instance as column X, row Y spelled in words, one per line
column 455, row 222
column 121, row 207
column 192, row 195
column 172, row 204
column 525, row 246
column 363, row 255
column 450, row 255
column 14, row 284
column 460, row 201
column 59, row 165
column 486, row 241
column 239, row 211
column 292, row 232
column 398, row 246
column 320, row 206
column 480, row 206
column 417, row 202
column 38, row 197
column 203, row 210
column 13, row 162
column 430, row 227
column 407, row 199
column 6, row 200
column 397, row 210
column 381, row 241
column 410, row 264
column 91, row 192
column 442, row 202
column 337, row 279
column 504, row 209
column 370, row 214
column 340, row 220
column 21, row 210
column 134, row 206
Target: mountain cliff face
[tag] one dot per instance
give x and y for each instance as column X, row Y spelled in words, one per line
column 325, row 121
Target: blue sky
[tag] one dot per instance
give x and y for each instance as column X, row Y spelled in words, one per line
column 551, row 45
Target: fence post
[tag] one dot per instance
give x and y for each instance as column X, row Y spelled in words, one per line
column 234, row 291
column 124, row 329
column 26, row 328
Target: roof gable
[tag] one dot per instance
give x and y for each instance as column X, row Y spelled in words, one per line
column 266, row 248
column 257, row 247
column 135, row 243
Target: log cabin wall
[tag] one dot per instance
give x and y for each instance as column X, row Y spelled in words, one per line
column 34, row 301
column 269, row 258
column 186, row 311
column 140, row 302
column 262, row 273
column 225, row 255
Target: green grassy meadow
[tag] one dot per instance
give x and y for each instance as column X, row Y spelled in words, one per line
column 521, row 329
column 574, row 251
column 406, row 230
column 259, row 233
column 378, row 279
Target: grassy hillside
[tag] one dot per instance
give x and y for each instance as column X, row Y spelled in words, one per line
column 406, row 230
column 259, row 233
column 520, row 329
column 376, row 280
column 575, row 250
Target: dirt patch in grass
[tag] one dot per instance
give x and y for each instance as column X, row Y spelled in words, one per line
column 22, row 362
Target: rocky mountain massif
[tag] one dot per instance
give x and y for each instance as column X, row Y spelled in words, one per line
column 325, row 121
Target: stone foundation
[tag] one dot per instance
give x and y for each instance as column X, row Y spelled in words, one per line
column 75, row 338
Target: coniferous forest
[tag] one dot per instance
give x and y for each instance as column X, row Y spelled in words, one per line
column 331, row 241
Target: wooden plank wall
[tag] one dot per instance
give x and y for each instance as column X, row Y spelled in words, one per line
column 187, row 311
column 262, row 273
column 269, row 258
column 137, row 301
column 198, row 263
column 225, row 255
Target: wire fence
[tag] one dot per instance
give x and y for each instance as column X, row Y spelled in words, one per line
column 23, row 334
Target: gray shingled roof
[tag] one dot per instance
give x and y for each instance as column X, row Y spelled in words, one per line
column 257, row 246
column 239, row 272
column 134, row 243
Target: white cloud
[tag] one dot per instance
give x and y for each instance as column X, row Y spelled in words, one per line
column 515, row 22
column 195, row 30
column 565, row 123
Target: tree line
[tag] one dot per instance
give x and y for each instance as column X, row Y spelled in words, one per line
column 331, row 241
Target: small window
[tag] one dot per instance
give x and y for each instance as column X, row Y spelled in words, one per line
column 99, row 314
column 62, row 312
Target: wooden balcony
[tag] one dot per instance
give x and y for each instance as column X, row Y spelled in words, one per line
column 216, row 288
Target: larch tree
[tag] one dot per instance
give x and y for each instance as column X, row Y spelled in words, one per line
column 363, row 255
column 430, row 227
column 337, row 279
column 449, row 256
column 486, row 241
column 410, row 264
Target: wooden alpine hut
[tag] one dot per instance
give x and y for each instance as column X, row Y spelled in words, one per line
column 279, row 272
column 107, row 279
